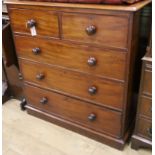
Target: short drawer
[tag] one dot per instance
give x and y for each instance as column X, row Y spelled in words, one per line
column 95, row 61
column 144, row 128
column 147, row 82
column 93, row 89
column 85, row 114
column 45, row 22
column 106, row 30
column 145, row 107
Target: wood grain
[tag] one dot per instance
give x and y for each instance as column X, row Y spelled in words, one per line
column 110, row 64
column 109, row 29
column 106, row 33
column 143, row 125
column 46, row 21
column 108, row 93
column 147, row 83
column 75, row 110
column 143, row 128
column 145, row 107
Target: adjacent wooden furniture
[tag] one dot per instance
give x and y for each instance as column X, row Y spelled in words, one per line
column 77, row 62
column 10, row 63
column 143, row 130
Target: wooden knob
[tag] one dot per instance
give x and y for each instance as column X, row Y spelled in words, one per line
column 90, row 30
column 149, row 131
column 92, row 61
column 92, row 90
column 36, row 50
column 20, row 76
column 92, row 117
column 44, row 100
column 30, row 23
column 40, row 76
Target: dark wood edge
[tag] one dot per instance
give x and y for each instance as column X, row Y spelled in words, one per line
column 113, row 142
column 139, row 142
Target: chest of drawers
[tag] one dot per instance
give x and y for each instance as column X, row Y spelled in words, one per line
column 142, row 136
column 78, row 68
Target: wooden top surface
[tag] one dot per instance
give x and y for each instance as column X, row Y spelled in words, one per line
column 133, row 7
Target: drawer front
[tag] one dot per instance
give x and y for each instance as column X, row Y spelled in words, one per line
column 83, row 86
column 85, row 114
column 147, row 82
column 96, row 61
column 46, row 22
column 96, row 29
column 144, row 128
column 145, row 107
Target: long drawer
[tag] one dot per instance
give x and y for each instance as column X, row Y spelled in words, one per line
column 93, row 89
column 45, row 22
column 95, row 61
column 85, row 114
column 107, row 30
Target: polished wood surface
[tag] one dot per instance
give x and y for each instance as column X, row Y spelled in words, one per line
column 74, row 57
column 142, row 136
column 147, row 82
column 108, row 93
column 89, row 58
column 144, row 128
column 146, row 107
column 74, row 28
column 46, row 22
column 133, row 7
column 75, row 110
column 101, row 137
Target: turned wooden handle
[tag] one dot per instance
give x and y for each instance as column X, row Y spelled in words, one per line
column 91, row 117
column 90, row 30
column 36, row 50
column 44, row 100
column 92, row 61
column 92, row 90
column 20, row 76
column 40, row 76
column 30, row 23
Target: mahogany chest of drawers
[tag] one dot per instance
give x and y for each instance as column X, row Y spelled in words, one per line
column 143, row 130
column 77, row 61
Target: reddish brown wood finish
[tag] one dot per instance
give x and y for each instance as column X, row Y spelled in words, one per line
column 73, row 56
column 111, row 30
column 143, row 129
column 109, row 140
column 83, row 49
column 147, row 82
column 46, row 21
column 76, row 111
column 145, row 107
column 108, row 93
